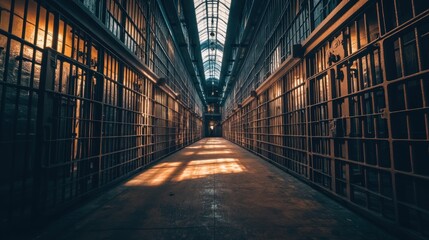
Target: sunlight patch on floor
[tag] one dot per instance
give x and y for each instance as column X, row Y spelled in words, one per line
column 185, row 168
column 214, row 146
column 188, row 153
column 204, row 168
column 194, row 147
column 155, row 175
column 214, row 152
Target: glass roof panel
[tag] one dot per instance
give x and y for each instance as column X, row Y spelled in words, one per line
column 203, row 37
column 221, row 38
column 212, row 18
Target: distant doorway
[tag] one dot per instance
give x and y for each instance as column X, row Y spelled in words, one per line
column 213, row 128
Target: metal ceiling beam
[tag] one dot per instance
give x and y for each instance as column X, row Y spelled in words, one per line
column 244, row 41
column 235, row 16
column 169, row 11
column 191, row 23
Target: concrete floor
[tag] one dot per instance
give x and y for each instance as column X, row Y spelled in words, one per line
column 213, row 189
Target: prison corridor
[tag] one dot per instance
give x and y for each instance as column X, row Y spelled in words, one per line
column 213, row 189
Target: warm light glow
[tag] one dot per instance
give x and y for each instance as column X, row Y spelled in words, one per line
column 211, row 127
column 214, row 146
column 168, row 164
column 204, row 168
column 194, row 147
column 182, row 171
column 214, row 157
column 188, row 153
column 154, row 176
column 202, row 162
column 214, row 152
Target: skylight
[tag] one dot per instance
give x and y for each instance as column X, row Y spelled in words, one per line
column 212, row 20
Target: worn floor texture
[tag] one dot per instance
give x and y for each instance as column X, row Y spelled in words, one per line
column 213, row 189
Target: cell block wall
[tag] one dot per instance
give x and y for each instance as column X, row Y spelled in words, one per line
column 283, row 24
column 350, row 116
column 75, row 115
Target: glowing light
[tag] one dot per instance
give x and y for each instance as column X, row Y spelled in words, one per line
column 188, row 153
column 194, row 147
column 182, row 171
column 214, row 146
column 214, row 152
column 155, row 176
column 203, row 168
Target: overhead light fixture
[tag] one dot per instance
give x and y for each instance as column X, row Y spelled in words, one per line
column 212, row 34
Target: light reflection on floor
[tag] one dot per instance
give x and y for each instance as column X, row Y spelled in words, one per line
column 155, row 175
column 188, row 153
column 186, row 169
column 214, row 146
column 194, row 147
column 204, row 168
column 214, row 152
